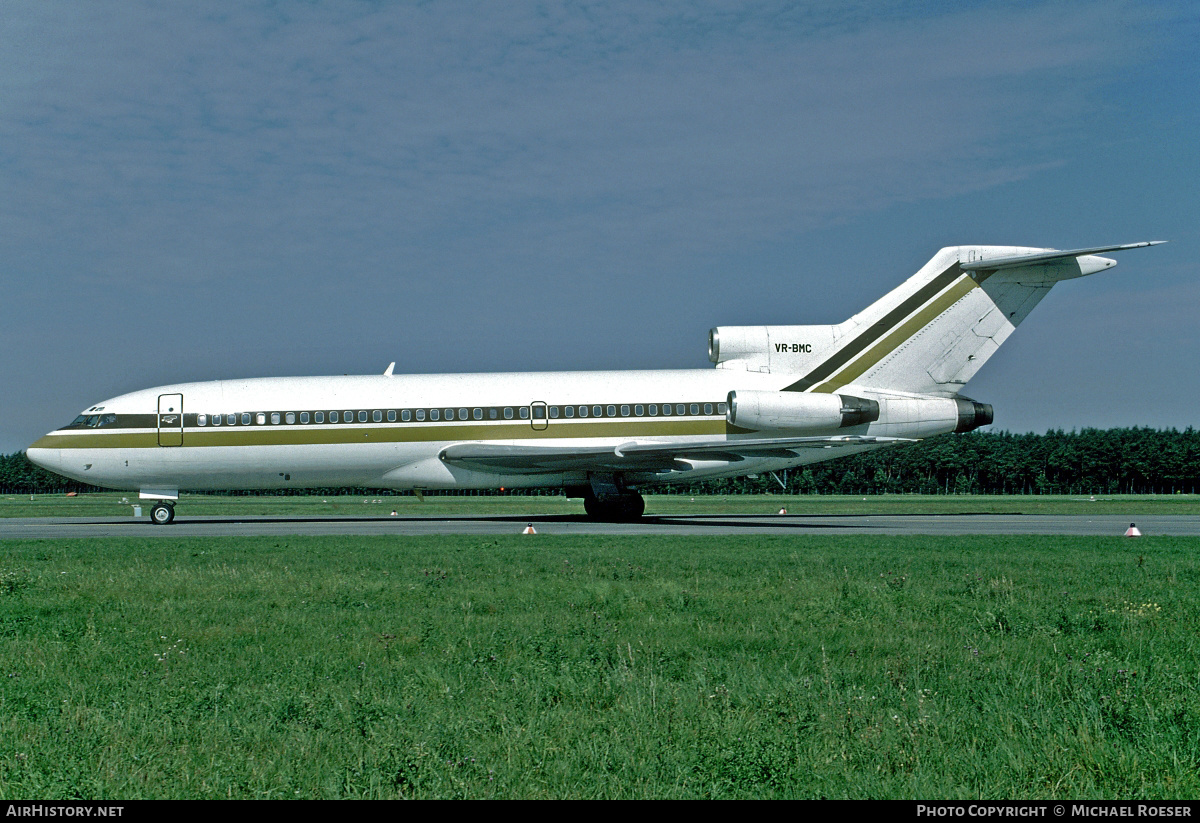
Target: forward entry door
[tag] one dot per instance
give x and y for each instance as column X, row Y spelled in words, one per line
column 170, row 420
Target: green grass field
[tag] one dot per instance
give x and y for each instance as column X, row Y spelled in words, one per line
column 120, row 504
column 968, row 667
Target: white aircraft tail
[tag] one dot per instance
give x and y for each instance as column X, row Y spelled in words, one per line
column 930, row 335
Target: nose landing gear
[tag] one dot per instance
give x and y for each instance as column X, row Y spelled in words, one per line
column 162, row 513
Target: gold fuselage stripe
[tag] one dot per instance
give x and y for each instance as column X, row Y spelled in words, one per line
column 398, row 433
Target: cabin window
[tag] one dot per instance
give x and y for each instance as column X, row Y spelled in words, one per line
column 435, row 414
column 449, row 414
column 201, row 420
column 303, row 417
column 583, row 411
column 722, row 408
column 569, row 411
column 289, row 418
column 553, row 412
column 216, row 419
column 508, row 413
column 405, row 415
column 391, row 415
column 347, row 417
column 666, row 408
column 477, row 414
column 639, row 410
column 597, row 411
column 260, row 419
column 420, row 415
column 695, row 408
column 680, row 409
column 612, row 411
column 333, row 417
column 524, row 411
column 708, row 408
column 362, row 417
column 274, row 418
column 493, row 414
column 654, row 410
column 377, row 416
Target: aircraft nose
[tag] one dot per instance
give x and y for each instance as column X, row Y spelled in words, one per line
column 45, row 458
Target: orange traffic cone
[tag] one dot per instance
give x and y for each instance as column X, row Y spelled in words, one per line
column 529, row 529
column 1132, row 531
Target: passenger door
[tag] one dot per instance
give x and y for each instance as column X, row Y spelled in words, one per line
column 170, row 420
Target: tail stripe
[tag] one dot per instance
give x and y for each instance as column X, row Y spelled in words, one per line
column 897, row 338
column 877, row 330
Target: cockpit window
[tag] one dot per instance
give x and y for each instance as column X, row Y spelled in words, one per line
column 91, row 421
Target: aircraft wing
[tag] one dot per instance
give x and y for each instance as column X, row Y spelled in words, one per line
column 638, row 456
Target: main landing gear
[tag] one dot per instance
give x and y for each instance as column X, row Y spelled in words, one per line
column 606, row 498
column 622, row 508
column 162, row 513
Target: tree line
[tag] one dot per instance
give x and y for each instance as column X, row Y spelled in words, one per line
column 1090, row 461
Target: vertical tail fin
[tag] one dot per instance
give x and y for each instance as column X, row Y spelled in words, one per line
column 931, row 334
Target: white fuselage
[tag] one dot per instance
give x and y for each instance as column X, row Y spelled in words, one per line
column 382, row 431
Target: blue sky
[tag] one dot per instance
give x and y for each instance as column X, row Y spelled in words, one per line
column 193, row 191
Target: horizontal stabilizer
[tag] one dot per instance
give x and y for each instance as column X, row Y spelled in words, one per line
column 1047, row 257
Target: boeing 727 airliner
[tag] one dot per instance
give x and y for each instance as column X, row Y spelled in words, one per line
column 778, row 397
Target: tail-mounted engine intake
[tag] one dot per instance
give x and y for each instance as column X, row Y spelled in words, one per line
column 798, row 411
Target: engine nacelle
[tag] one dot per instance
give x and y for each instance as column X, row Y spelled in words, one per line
column 778, row 349
column 799, row 411
column 972, row 415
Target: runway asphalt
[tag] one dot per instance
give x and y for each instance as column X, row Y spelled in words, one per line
column 693, row 525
